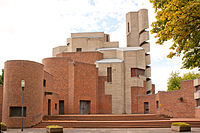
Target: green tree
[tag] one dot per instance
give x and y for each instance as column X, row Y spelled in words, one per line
column 1, row 77
column 179, row 21
column 175, row 79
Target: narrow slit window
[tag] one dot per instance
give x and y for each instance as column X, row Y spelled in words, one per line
column 198, row 102
column 44, row 83
column 157, row 105
column 128, row 27
column 109, row 74
column 55, row 106
column 107, row 38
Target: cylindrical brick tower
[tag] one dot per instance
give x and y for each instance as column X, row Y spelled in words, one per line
column 14, row 72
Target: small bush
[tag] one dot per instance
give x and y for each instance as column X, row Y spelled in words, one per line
column 183, row 124
column 53, row 126
column 3, row 126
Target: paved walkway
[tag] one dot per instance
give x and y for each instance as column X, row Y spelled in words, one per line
column 102, row 130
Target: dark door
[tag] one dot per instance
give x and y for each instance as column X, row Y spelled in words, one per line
column 146, row 107
column 49, row 106
column 61, row 107
column 84, row 107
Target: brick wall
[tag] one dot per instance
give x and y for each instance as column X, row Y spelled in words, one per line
column 197, row 112
column 1, row 101
column 85, row 85
column 86, row 57
column 58, row 67
column 179, row 103
column 151, row 102
column 104, row 101
column 50, row 93
column 135, row 92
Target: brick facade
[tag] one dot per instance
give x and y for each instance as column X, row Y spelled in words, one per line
column 32, row 73
column 85, row 87
column 197, row 112
column 86, row 57
column 71, row 81
column 1, row 101
column 62, row 78
column 104, row 101
column 179, row 103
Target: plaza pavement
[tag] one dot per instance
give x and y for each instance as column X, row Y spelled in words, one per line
column 102, row 130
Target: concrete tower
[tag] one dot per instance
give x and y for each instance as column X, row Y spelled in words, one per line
column 138, row 36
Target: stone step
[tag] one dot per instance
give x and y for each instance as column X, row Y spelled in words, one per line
column 108, row 117
column 115, row 124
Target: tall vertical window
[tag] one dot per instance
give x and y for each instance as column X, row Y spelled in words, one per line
column 109, row 74
column 107, row 38
column 157, row 105
column 44, row 83
column 198, row 102
column 55, row 106
column 128, row 27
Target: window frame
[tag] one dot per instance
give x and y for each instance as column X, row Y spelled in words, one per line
column 19, row 109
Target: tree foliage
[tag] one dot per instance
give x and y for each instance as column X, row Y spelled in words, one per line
column 1, row 77
column 175, row 79
column 179, row 21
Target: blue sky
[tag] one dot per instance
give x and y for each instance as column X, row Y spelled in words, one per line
column 29, row 29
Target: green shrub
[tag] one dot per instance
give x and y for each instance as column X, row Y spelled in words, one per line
column 3, row 126
column 53, row 126
column 183, row 124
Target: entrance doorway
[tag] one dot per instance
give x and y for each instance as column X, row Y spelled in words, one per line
column 84, row 107
column 49, row 106
column 61, row 107
column 146, row 107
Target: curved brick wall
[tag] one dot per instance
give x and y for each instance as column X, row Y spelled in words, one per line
column 32, row 73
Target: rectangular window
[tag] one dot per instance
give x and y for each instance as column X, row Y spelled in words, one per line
column 17, row 111
column 109, row 74
column 135, row 72
column 78, row 49
column 157, row 105
column 146, row 107
column 198, row 102
column 55, row 106
column 107, row 38
column 44, row 83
